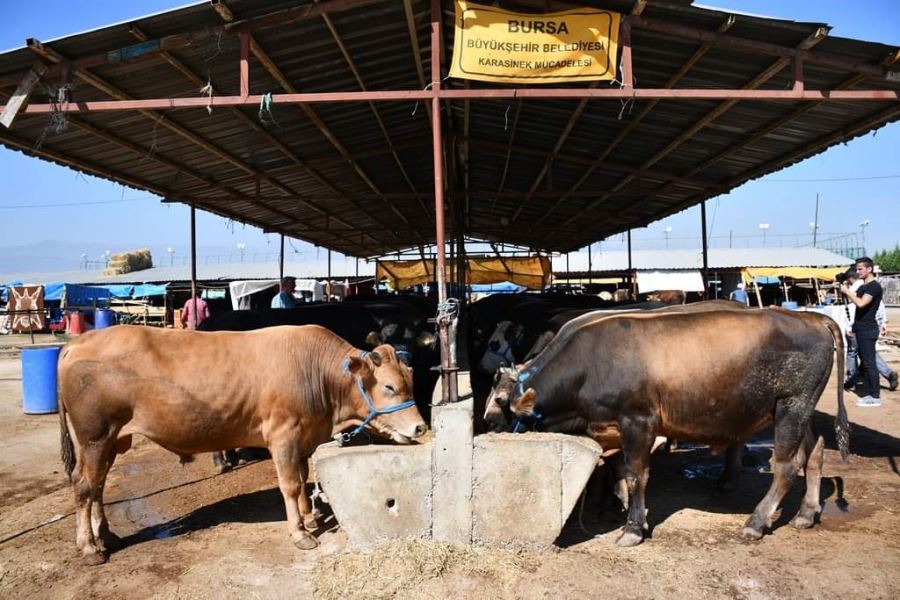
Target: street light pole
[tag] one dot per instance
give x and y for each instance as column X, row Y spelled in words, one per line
column 764, row 227
column 862, row 231
column 667, row 231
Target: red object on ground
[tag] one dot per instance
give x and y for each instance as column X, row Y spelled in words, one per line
column 76, row 323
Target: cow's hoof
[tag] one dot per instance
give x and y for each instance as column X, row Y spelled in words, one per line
column 802, row 522
column 750, row 534
column 311, row 521
column 306, row 541
column 628, row 539
column 93, row 559
column 223, row 468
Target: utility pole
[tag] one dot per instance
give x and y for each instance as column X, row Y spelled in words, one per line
column 816, row 221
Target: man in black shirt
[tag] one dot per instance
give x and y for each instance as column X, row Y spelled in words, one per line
column 865, row 327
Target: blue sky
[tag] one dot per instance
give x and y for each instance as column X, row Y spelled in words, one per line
column 124, row 218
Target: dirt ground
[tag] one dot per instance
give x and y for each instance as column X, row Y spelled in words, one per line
column 189, row 533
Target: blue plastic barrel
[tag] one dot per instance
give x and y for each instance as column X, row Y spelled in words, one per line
column 789, row 304
column 39, row 379
column 104, row 318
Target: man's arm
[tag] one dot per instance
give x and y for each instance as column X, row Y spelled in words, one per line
column 859, row 302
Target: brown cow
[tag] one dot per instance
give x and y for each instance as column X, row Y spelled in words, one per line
column 287, row 389
column 715, row 378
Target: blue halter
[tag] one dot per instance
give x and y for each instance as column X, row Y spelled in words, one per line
column 373, row 410
column 519, row 425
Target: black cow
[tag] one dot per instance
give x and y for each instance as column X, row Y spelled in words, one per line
column 714, row 378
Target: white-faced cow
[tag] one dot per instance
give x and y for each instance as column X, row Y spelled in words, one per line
column 714, row 378
column 287, row 389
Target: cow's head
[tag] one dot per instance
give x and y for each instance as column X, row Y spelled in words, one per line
column 402, row 336
column 382, row 395
column 499, row 351
column 510, row 401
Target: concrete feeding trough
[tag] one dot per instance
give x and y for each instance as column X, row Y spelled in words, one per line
column 493, row 489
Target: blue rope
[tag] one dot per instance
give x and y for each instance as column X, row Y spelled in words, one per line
column 373, row 410
column 519, row 425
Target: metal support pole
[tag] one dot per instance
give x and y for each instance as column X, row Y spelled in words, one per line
column 590, row 269
column 631, row 281
column 194, row 265
column 328, row 285
column 448, row 369
column 281, row 260
column 816, row 221
column 705, row 247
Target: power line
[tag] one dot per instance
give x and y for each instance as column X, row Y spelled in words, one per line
column 832, row 179
column 20, row 206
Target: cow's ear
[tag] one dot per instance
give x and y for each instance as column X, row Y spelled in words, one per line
column 425, row 340
column 524, row 405
column 355, row 365
column 373, row 339
column 375, row 358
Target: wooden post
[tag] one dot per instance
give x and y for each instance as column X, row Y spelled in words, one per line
column 631, row 282
column 20, row 96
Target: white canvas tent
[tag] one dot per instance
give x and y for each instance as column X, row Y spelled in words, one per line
column 307, row 290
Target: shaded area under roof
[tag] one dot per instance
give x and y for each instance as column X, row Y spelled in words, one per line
column 357, row 177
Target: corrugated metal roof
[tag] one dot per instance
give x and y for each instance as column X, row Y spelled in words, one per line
column 315, row 269
column 718, row 258
column 382, row 199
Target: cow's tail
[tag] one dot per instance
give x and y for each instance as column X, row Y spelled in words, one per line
column 66, row 447
column 841, row 426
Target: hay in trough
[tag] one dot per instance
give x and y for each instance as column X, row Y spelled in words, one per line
column 403, row 569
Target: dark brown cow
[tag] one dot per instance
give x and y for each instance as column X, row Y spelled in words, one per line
column 714, row 378
column 287, row 389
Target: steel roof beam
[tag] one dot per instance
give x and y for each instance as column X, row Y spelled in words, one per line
column 262, row 56
column 362, row 86
column 235, row 112
column 636, row 10
column 714, row 114
column 606, row 166
column 801, row 153
column 51, row 55
column 626, row 131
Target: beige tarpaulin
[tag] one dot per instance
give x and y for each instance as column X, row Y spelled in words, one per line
column 820, row 273
column 532, row 272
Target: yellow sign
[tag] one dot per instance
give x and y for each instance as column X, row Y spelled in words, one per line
column 492, row 44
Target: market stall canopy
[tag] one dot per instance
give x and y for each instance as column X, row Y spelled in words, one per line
column 820, row 273
column 532, row 272
column 718, row 99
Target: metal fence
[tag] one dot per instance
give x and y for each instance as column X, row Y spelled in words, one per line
column 891, row 286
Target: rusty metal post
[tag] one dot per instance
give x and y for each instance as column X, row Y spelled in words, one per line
column 281, row 260
column 448, row 368
column 631, row 282
column 194, row 265
column 705, row 249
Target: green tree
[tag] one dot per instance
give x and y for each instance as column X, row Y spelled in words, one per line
column 888, row 260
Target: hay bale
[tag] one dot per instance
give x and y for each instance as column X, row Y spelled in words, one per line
column 127, row 262
column 403, row 569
